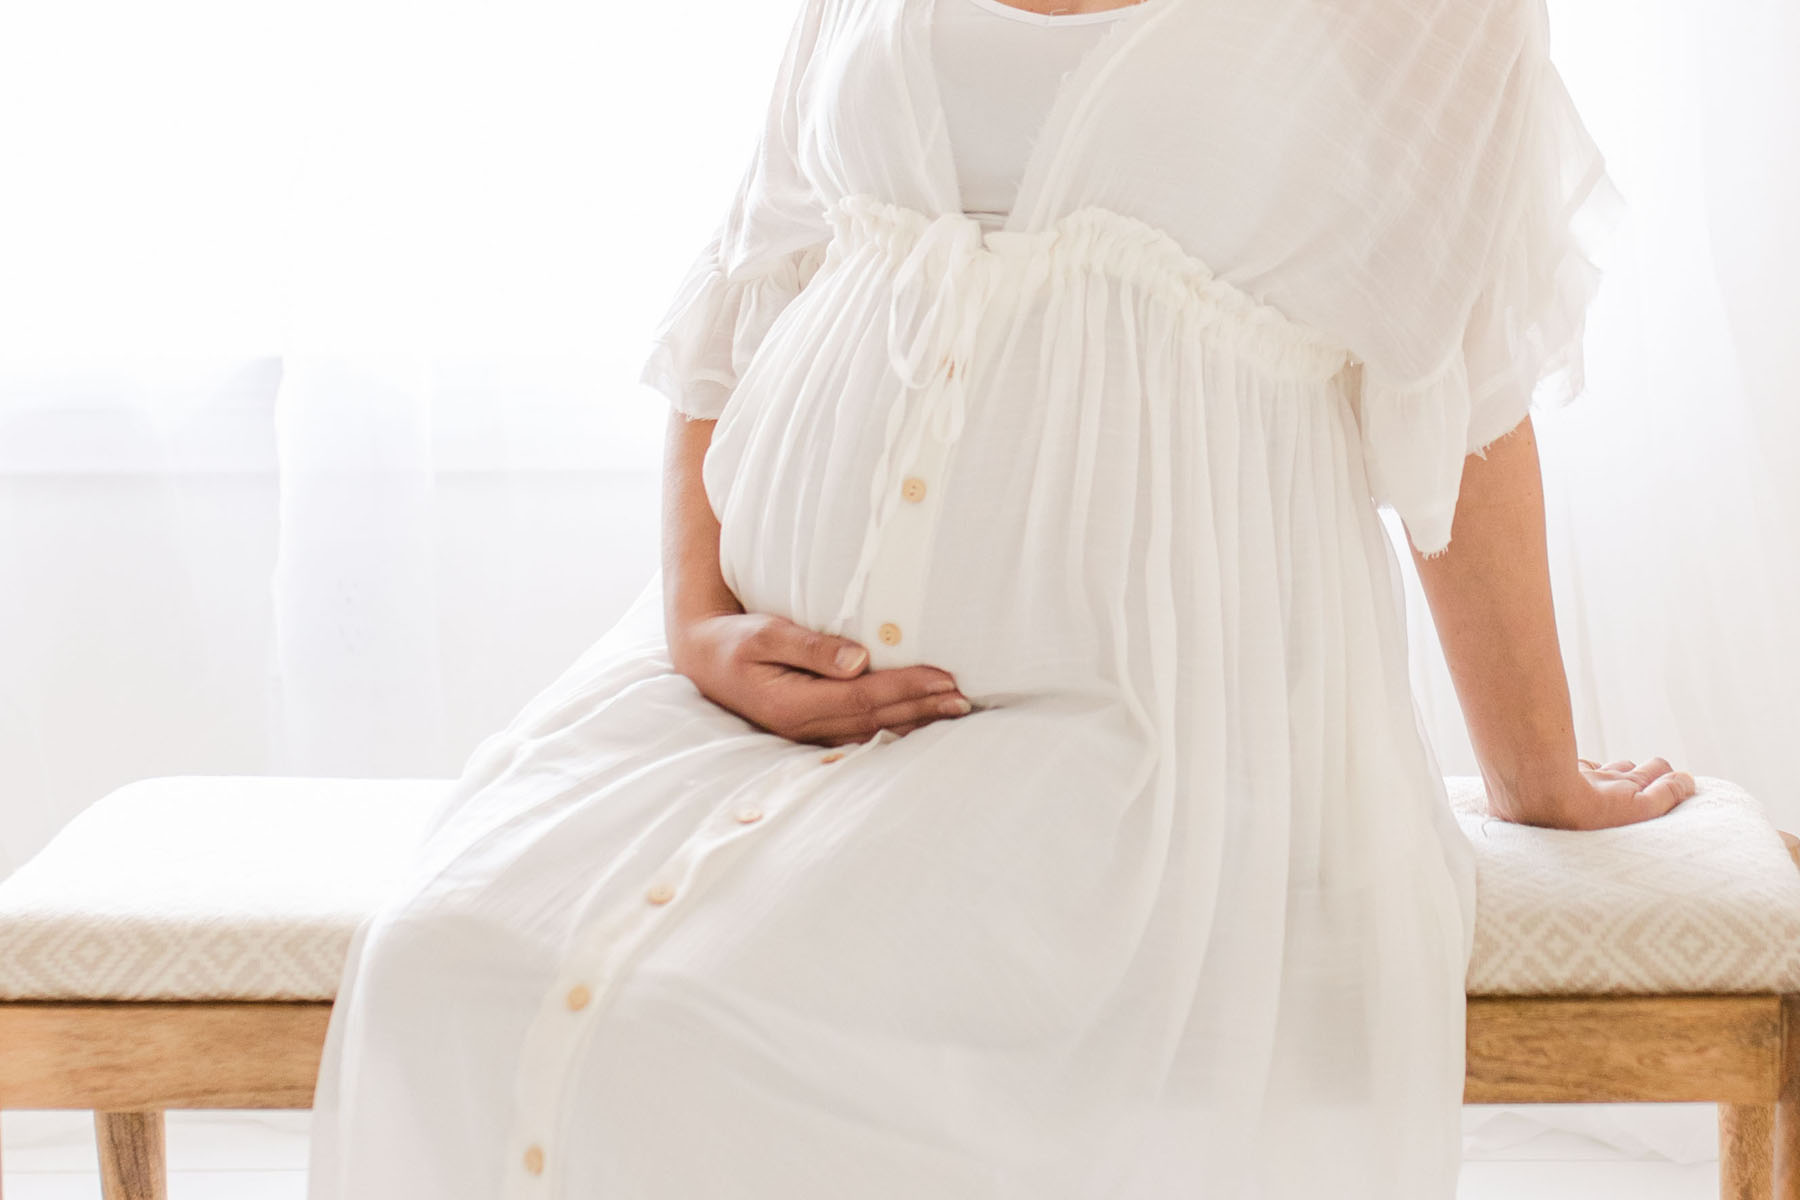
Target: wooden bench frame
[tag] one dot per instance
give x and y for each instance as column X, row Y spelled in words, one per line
column 131, row 1061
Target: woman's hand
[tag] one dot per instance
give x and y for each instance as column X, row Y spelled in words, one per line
column 1598, row 797
column 1490, row 597
column 771, row 671
column 805, row 685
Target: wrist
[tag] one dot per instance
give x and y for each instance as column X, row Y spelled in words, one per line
column 1538, row 792
column 680, row 621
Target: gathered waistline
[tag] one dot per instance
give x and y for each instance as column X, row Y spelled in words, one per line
column 966, row 261
column 947, row 268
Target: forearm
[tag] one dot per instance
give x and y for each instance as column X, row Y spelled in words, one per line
column 693, row 585
column 1489, row 595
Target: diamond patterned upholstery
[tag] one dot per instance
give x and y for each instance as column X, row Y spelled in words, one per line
column 247, row 888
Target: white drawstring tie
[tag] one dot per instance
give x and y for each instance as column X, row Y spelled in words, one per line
column 941, row 293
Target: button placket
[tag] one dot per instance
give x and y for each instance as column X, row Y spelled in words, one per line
column 975, row 287
column 559, row 1035
column 892, row 617
column 944, row 290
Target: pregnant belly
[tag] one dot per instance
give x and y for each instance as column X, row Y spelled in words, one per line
column 1120, row 505
column 788, row 470
column 1007, row 562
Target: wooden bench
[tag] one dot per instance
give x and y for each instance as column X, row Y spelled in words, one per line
column 177, row 945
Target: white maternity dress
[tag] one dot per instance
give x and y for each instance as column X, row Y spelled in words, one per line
column 1180, row 910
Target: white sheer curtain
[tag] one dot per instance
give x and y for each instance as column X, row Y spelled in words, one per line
column 321, row 447
column 1673, row 499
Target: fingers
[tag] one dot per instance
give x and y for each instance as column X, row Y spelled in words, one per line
column 901, row 718
column 1660, row 788
column 1642, row 793
column 1617, row 766
column 901, row 699
column 787, row 679
column 779, row 640
column 1669, row 789
column 879, row 689
column 1648, row 771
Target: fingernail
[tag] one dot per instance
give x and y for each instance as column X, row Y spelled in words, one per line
column 940, row 685
column 956, row 706
column 850, row 658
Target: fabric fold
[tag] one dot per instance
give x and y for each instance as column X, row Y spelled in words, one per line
column 1413, row 439
column 1522, row 341
column 768, row 246
column 717, row 321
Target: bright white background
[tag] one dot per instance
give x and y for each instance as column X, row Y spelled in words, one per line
column 321, row 447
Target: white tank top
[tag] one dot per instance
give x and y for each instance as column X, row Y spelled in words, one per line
column 998, row 69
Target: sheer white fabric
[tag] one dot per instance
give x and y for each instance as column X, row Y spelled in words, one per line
column 1417, row 186
column 998, row 68
column 1182, row 904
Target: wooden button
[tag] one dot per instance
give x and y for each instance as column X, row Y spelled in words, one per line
column 834, row 756
column 662, row 893
column 889, row 633
column 913, row 489
column 534, row 1159
column 578, row 997
column 746, row 815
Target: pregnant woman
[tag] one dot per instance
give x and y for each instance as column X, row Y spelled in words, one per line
column 1010, row 787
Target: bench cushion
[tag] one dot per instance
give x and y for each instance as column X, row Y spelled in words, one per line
column 1703, row 899
column 207, row 887
column 219, row 887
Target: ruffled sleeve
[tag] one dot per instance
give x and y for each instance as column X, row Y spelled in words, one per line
column 767, row 247
column 1548, row 206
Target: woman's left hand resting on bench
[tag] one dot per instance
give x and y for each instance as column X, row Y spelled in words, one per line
column 1489, row 594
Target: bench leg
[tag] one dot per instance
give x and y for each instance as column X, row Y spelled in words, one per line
column 131, row 1155
column 1746, row 1151
column 1787, row 1149
column 1787, row 1109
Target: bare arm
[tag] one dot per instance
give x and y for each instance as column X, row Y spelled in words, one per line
column 693, row 587
column 781, row 675
column 1489, row 595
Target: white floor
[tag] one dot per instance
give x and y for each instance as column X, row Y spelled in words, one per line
column 1511, row 1154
